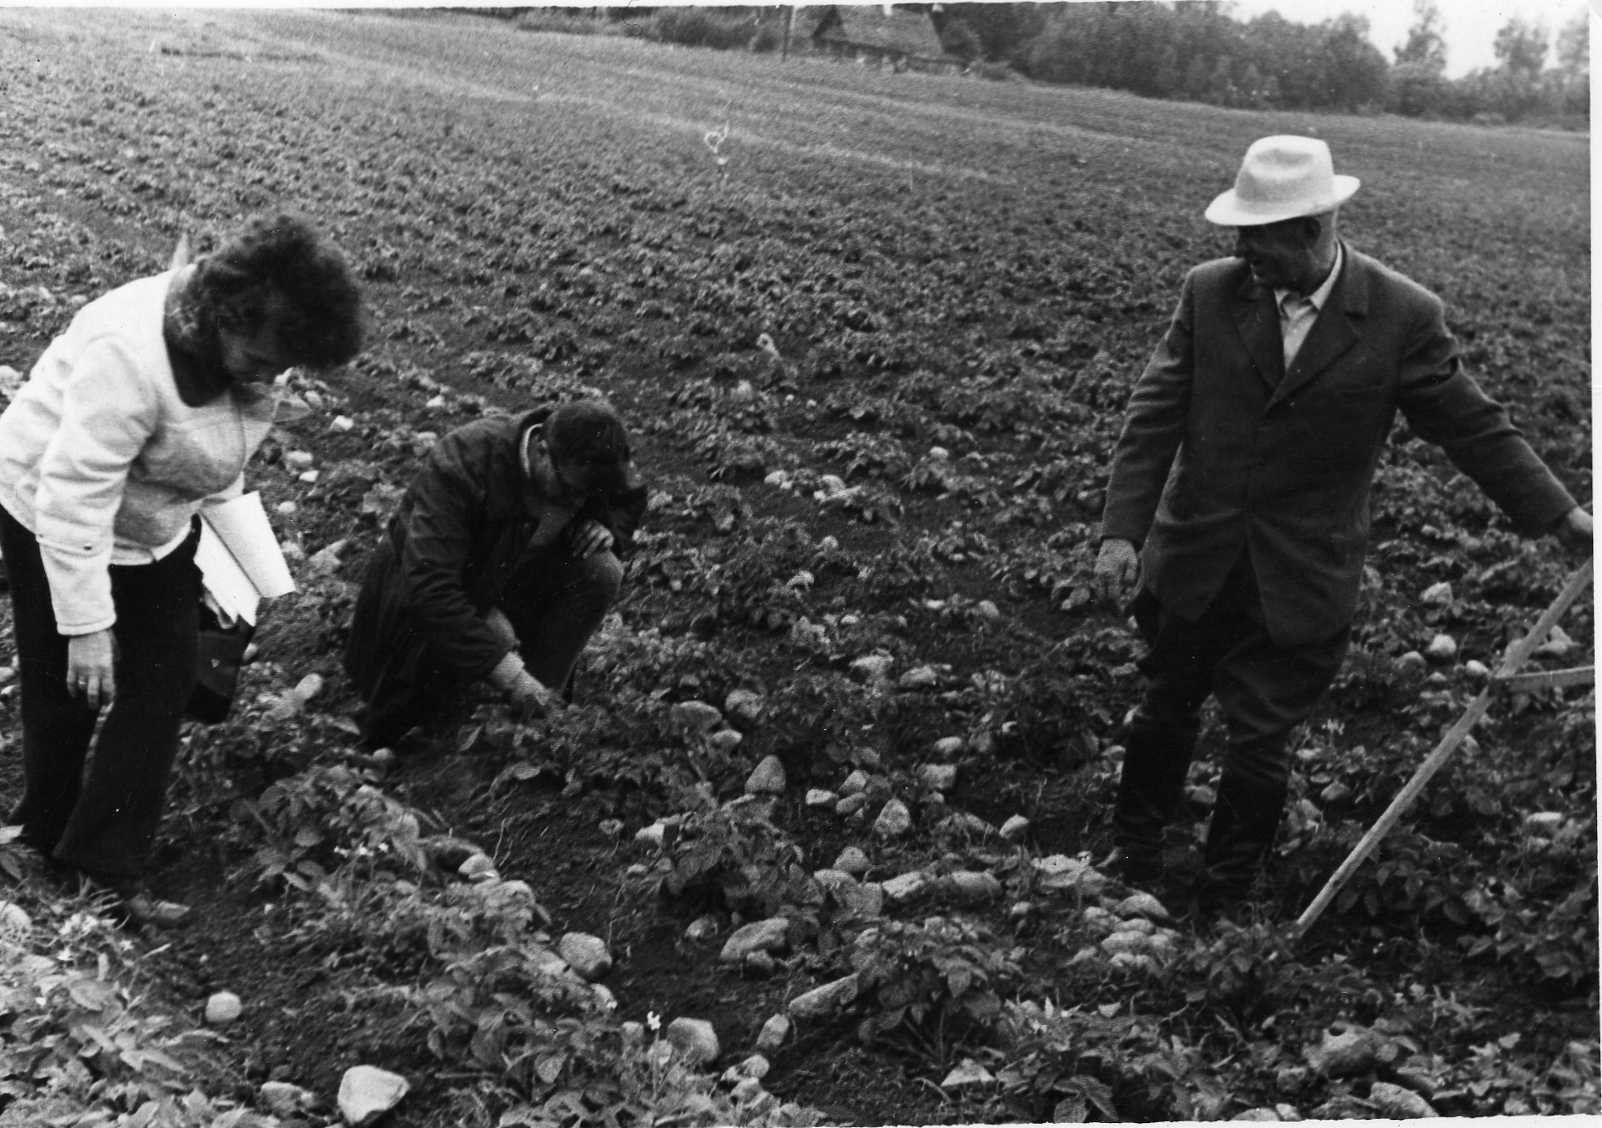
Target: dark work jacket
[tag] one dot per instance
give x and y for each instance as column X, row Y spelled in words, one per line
column 460, row 533
column 1223, row 453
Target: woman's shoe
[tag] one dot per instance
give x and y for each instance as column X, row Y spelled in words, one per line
column 144, row 907
column 134, row 903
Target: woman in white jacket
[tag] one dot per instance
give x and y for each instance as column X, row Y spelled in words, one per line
column 150, row 403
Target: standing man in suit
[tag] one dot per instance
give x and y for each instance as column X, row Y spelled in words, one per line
column 1237, row 509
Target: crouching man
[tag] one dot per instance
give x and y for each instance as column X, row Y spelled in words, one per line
column 499, row 564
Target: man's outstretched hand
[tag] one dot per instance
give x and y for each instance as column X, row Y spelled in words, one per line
column 1574, row 531
column 1117, row 569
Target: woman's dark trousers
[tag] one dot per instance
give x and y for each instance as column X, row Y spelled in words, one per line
column 1264, row 692
column 102, row 820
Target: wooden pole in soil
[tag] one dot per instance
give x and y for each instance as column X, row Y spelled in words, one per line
column 1516, row 656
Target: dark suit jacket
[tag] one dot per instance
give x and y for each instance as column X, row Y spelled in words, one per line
column 1222, row 452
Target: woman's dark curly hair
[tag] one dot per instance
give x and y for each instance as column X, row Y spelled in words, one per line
column 320, row 314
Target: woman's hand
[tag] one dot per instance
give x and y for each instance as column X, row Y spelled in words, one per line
column 91, row 668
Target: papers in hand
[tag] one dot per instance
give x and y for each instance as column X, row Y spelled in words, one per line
column 239, row 558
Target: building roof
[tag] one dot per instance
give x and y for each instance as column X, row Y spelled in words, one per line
column 879, row 26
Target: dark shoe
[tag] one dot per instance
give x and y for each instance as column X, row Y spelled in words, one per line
column 1239, row 837
column 1150, row 788
column 1142, row 869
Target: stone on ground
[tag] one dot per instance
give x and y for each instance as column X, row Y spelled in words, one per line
column 697, row 715
column 284, row 1099
column 744, row 705
column 853, row 861
column 774, row 1033
column 967, row 1072
column 894, row 820
column 1142, row 905
column 973, row 886
column 824, row 1001
column 222, row 1008
column 1343, row 1054
column 906, row 886
column 585, row 954
column 1398, row 1103
column 367, row 1093
column 695, row 1038
column 771, row 935
column 767, row 778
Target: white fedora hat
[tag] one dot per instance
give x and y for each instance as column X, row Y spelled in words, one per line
column 1282, row 177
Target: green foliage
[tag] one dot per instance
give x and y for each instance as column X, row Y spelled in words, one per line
column 735, row 858
column 701, row 27
column 933, row 986
column 325, row 818
column 1246, row 972
column 80, row 1047
column 959, row 39
column 1082, row 1063
column 553, row 1052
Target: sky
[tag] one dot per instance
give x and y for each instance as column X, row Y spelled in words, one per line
column 1471, row 25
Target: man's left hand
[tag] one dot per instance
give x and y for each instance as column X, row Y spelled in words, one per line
column 1574, row 530
column 590, row 538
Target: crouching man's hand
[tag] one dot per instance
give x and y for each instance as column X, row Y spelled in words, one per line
column 1574, row 530
column 525, row 692
column 1117, row 569
column 589, row 538
column 531, row 699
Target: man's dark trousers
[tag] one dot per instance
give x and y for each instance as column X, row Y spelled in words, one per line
column 1264, row 691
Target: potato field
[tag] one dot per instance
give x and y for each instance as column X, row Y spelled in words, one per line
column 874, row 334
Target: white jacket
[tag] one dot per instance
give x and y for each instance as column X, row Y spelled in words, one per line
column 103, row 461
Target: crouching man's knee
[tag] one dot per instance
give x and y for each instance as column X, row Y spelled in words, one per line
column 601, row 578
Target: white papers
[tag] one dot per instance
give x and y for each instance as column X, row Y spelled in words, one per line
column 239, row 558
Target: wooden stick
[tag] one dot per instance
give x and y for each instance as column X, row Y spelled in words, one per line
column 1516, row 656
column 1545, row 679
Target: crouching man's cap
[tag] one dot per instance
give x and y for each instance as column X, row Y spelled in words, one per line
column 590, row 446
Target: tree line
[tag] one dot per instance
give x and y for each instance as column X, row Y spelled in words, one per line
column 1192, row 50
column 1197, row 51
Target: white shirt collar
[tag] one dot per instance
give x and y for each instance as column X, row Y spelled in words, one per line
column 1321, row 295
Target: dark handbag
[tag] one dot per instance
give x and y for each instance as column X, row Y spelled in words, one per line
column 219, row 653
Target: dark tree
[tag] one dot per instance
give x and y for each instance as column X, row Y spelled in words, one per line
column 1426, row 44
column 1520, row 46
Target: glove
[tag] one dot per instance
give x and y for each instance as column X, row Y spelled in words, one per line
column 1117, row 569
